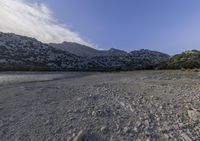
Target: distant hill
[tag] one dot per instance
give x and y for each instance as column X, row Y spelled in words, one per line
column 187, row 60
column 152, row 56
column 25, row 53
column 135, row 60
column 85, row 51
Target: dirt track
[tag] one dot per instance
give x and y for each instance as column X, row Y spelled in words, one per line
column 128, row 106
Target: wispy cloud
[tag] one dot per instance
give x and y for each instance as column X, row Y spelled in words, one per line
column 35, row 20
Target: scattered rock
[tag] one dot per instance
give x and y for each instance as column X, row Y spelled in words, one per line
column 49, row 139
column 58, row 130
column 93, row 113
column 126, row 129
column 135, row 129
column 194, row 114
column 104, row 129
column 80, row 136
column 186, row 137
column 101, row 113
column 167, row 118
column 85, row 136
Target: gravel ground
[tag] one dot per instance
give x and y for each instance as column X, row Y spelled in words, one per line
column 126, row 106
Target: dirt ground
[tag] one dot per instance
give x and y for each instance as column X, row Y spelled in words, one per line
column 123, row 106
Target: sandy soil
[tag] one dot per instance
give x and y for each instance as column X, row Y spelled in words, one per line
column 127, row 106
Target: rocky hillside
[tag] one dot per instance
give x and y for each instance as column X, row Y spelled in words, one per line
column 85, row 51
column 140, row 59
column 24, row 53
column 185, row 60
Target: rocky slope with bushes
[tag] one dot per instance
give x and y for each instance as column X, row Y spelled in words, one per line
column 24, row 53
column 185, row 60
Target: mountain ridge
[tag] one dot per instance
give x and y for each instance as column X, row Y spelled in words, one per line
column 86, row 51
column 23, row 53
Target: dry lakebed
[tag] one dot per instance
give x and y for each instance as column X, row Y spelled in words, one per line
column 121, row 106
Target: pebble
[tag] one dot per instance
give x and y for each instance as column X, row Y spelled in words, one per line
column 58, row 130
column 135, row 129
column 79, row 136
column 194, row 114
column 104, row 129
column 186, row 137
column 49, row 139
column 126, row 130
column 93, row 113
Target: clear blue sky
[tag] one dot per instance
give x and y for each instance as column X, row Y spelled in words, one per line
column 169, row 26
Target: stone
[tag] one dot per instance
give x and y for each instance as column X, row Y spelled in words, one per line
column 135, row 129
column 79, row 136
column 49, row 139
column 104, row 129
column 126, row 130
column 85, row 136
column 186, row 137
column 194, row 114
column 58, row 130
column 93, row 113
column 101, row 113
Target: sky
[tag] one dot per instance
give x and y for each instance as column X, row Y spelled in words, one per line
column 169, row 26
